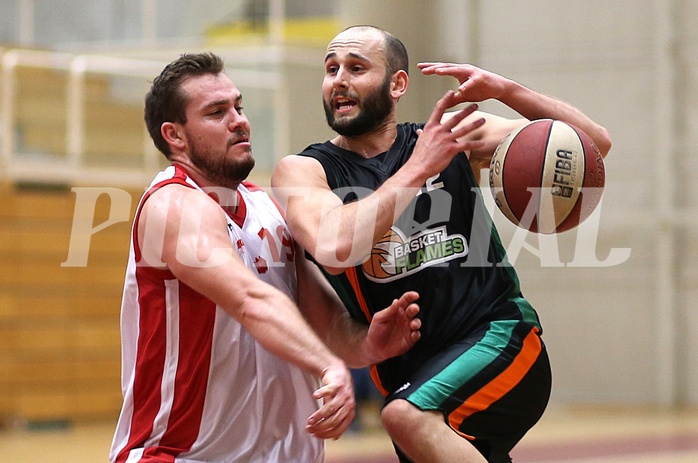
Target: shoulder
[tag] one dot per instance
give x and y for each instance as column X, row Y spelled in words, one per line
column 174, row 201
column 256, row 197
column 252, row 187
column 173, row 215
column 296, row 170
column 318, row 148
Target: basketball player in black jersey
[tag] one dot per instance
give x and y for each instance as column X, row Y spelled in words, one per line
column 387, row 207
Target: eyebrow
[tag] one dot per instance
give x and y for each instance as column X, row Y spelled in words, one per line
column 350, row 55
column 223, row 101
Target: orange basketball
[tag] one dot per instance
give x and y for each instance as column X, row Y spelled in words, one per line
column 547, row 176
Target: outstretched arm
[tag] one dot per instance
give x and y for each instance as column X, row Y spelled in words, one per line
column 392, row 331
column 185, row 231
column 476, row 85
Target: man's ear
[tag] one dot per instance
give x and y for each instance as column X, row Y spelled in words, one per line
column 398, row 84
column 171, row 132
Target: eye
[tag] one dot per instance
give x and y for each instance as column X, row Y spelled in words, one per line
column 239, row 109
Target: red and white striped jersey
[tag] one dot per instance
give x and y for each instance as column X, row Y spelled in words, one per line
column 197, row 386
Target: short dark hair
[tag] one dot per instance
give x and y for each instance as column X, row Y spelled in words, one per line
column 396, row 58
column 165, row 101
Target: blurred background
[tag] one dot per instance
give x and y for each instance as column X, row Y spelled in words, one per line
column 618, row 296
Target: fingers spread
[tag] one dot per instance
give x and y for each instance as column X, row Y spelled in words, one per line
column 467, row 128
column 452, row 122
column 441, row 106
column 449, row 100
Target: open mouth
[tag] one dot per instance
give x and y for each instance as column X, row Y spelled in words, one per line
column 342, row 104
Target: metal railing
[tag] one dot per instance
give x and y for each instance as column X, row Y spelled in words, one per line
column 57, row 127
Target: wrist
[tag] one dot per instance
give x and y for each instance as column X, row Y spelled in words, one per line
column 411, row 176
column 332, row 364
column 510, row 90
column 370, row 355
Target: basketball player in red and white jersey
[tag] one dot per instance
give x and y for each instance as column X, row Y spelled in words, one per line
column 219, row 364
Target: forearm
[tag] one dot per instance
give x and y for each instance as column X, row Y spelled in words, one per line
column 267, row 313
column 280, row 328
column 533, row 105
column 392, row 331
column 347, row 233
column 347, row 339
column 477, row 84
column 324, row 311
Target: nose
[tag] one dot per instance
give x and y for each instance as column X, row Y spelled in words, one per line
column 340, row 78
column 238, row 120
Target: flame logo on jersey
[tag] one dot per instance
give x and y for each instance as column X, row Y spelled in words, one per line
column 395, row 256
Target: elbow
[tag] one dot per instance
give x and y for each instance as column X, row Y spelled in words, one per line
column 336, row 258
column 334, row 270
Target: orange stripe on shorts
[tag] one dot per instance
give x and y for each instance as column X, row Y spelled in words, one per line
column 500, row 385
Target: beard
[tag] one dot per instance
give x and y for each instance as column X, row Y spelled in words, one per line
column 375, row 108
column 224, row 169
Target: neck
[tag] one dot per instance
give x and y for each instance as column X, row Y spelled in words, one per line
column 224, row 194
column 370, row 144
column 203, row 180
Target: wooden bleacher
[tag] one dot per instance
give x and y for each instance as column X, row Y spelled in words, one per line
column 59, row 326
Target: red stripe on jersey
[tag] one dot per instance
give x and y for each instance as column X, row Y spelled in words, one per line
column 240, row 211
column 252, row 187
column 150, row 360
column 196, row 323
column 196, row 326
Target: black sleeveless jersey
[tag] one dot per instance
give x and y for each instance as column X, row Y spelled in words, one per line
column 444, row 246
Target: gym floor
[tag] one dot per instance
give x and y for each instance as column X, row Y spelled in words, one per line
column 564, row 435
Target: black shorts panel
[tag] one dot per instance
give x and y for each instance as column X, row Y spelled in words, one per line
column 491, row 388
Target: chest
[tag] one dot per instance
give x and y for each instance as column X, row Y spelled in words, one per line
column 263, row 242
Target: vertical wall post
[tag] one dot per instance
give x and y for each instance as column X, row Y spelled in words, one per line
column 665, row 134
